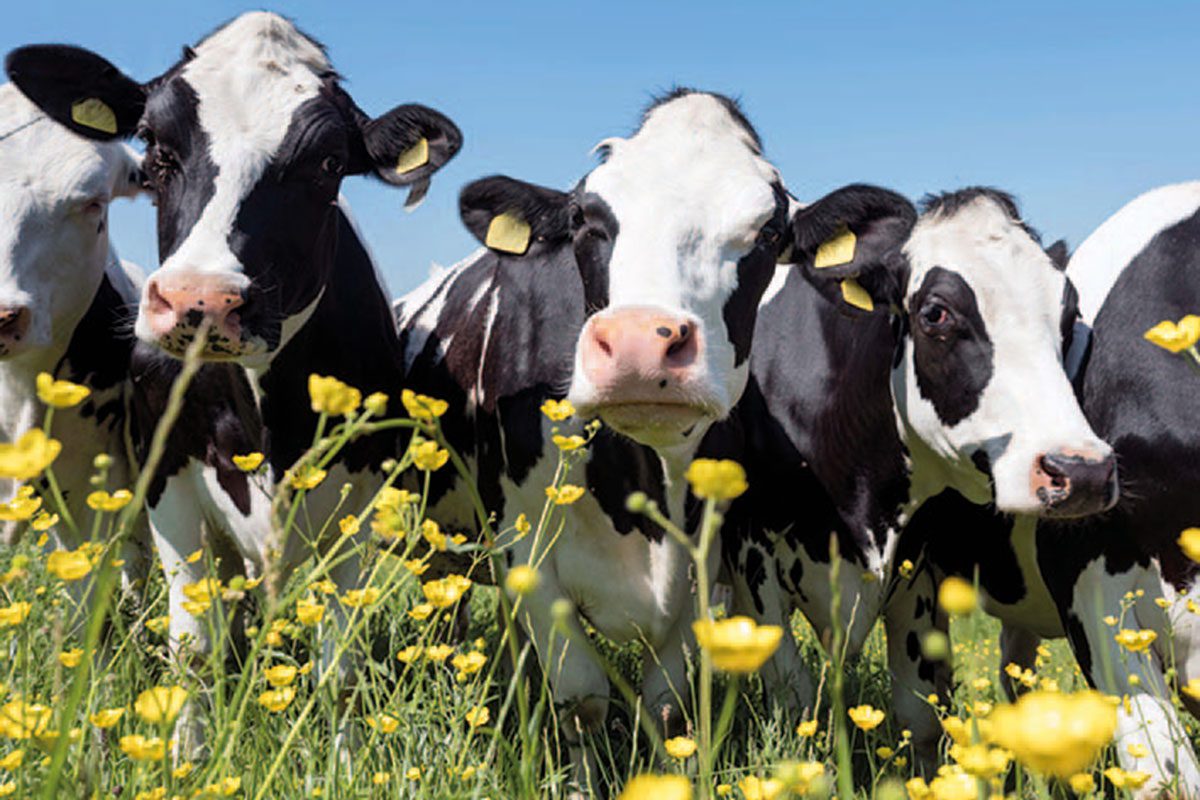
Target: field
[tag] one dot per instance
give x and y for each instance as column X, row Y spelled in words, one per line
column 427, row 706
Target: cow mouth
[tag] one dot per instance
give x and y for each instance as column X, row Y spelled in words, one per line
column 654, row 423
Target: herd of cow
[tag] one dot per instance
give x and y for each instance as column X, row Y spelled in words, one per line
column 928, row 386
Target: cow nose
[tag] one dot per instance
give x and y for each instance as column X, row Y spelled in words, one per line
column 14, row 325
column 184, row 302
column 640, row 354
column 1075, row 485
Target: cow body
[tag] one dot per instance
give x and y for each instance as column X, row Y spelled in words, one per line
column 64, row 299
column 852, row 422
column 1049, row 580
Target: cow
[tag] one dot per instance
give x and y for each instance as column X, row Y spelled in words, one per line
column 248, row 138
column 1047, row 579
column 64, row 299
column 897, row 362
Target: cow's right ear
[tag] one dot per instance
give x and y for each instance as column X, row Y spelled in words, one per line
column 78, row 89
column 848, row 246
column 511, row 216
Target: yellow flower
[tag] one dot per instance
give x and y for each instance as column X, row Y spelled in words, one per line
column 866, row 717
column 1189, row 543
column 1135, row 641
column 558, row 410
column 309, row 612
column 906, row 568
column 103, row 501
column 569, row 443
column 70, row 658
column 428, row 457
column 568, row 494
column 953, row 784
column 438, row 652
column 1109, row 620
column 409, row 654
column 917, row 789
column 806, row 728
column 521, row 579
column 421, row 611
column 324, row 586
column 31, row 454
column 446, row 591
column 139, row 748
column 7, row 788
column 1175, row 337
column 280, row 675
column 1054, row 733
column 307, row 477
column 44, row 521
column 737, row 644
column 469, row 663
column 23, row 506
column 106, row 717
column 797, row 776
column 421, row 406
column 60, row 394
column 478, row 716
column 249, row 462
column 384, row 722
column 980, row 760
column 1082, row 783
column 680, row 747
column 183, row 770
column 1137, row 750
column 14, row 614
column 276, row 700
column 957, row 596
column 158, row 624
column 413, row 773
column 21, row 720
column 724, row 789
column 160, row 705
column 522, row 526
column 360, row 598
column 68, row 565
column 376, row 403
column 349, row 525
column 755, row 788
column 1122, row 779
column 1192, row 688
column 655, row 787
column 13, row 760
column 331, row 396
column 380, row 778
column 433, row 534
column 716, row 480
column 416, row 566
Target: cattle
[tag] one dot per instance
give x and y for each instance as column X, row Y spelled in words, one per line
column 897, row 362
column 248, row 138
column 1047, row 579
column 64, row 298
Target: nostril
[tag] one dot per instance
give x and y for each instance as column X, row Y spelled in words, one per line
column 1054, row 470
column 157, row 303
column 14, row 322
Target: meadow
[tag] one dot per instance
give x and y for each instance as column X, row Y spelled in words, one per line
column 446, row 701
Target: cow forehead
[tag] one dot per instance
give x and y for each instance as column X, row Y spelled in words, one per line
column 249, row 78
column 692, row 162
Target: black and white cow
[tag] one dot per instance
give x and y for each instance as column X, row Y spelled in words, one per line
column 247, row 139
column 634, row 296
column 64, row 300
column 1048, row 580
column 939, row 365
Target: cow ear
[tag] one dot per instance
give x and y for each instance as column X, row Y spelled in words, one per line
column 407, row 145
column 78, row 89
column 511, row 216
column 130, row 180
column 1059, row 254
column 847, row 244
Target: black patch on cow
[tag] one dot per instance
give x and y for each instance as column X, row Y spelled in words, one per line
column 594, row 230
column 99, row 352
column 912, row 644
column 1070, row 315
column 754, row 270
column 952, row 351
column 617, row 468
column 754, row 573
column 1077, row 636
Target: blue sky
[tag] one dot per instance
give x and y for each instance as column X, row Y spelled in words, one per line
column 1075, row 108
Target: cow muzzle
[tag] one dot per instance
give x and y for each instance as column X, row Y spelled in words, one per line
column 645, row 369
column 14, row 329
column 176, row 306
column 1069, row 484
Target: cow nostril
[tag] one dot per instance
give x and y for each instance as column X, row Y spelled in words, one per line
column 157, row 302
column 663, row 331
column 1053, row 470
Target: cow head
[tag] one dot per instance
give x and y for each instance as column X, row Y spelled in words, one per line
column 675, row 235
column 247, row 140
column 981, row 394
column 55, row 189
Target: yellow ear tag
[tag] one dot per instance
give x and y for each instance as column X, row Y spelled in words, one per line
column 854, row 294
column 93, row 113
column 508, row 233
column 413, row 157
column 838, row 250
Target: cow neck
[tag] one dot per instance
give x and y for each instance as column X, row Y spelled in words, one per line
column 350, row 336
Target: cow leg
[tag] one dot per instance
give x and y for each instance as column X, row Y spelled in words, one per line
column 1017, row 646
column 910, row 614
column 1147, row 720
column 665, row 687
column 757, row 593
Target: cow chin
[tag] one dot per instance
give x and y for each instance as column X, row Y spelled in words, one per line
column 656, row 424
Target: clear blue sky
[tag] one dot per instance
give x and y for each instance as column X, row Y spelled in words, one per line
column 1075, row 108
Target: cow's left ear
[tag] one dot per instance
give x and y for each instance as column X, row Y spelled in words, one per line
column 1059, row 254
column 78, row 89
column 407, row 145
column 848, row 246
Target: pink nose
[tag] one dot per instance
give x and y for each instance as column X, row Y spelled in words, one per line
column 14, row 324
column 184, row 301
column 640, row 355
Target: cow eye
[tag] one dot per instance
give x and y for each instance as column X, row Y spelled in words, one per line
column 332, row 165
column 160, row 164
column 935, row 317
